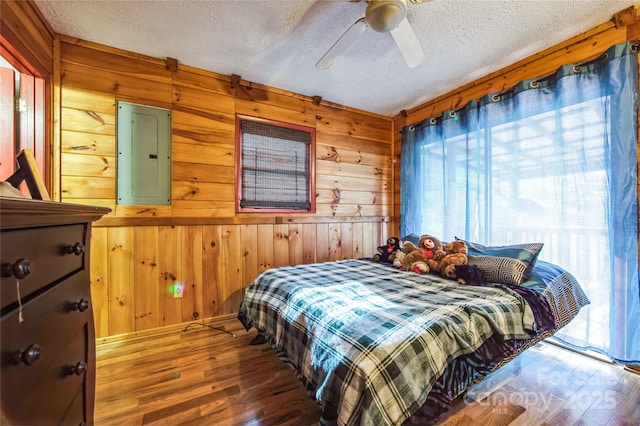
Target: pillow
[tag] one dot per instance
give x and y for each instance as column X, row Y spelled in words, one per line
column 510, row 264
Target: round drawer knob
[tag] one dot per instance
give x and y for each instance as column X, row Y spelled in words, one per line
column 20, row 269
column 79, row 369
column 81, row 305
column 31, row 354
column 76, row 249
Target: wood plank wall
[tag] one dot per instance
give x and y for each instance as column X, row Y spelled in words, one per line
column 139, row 253
column 585, row 46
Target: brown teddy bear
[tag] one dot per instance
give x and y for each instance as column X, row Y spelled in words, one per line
column 455, row 253
column 421, row 259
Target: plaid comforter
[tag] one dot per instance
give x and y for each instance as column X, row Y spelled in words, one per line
column 372, row 339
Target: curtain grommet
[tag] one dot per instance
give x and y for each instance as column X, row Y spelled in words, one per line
column 433, row 121
column 452, row 114
column 576, row 68
column 495, row 98
column 534, row 84
column 412, row 128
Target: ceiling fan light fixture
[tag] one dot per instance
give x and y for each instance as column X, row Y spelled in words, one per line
column 385, row 15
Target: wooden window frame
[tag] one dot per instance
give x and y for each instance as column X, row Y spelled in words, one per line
column 35, row 128
column 311, row 178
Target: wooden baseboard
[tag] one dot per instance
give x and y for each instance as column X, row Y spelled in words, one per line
column 160, row 330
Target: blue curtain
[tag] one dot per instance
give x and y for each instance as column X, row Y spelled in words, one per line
column 552, row 160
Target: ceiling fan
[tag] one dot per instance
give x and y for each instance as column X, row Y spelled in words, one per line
column 384, row 16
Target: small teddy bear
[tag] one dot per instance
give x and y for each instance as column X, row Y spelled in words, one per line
column 387, row 254
column 420, row 259
column 455, row 254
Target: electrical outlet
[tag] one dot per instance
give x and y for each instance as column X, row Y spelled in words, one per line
column 178, row 291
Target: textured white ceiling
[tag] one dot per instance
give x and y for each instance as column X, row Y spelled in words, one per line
column 278, row 42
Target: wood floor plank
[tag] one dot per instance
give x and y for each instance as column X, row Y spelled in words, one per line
column 206, row 377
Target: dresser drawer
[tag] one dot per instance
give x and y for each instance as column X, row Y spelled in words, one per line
column 42, row 392
column 48, row 254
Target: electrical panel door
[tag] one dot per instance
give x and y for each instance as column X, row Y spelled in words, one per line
column 144, row 154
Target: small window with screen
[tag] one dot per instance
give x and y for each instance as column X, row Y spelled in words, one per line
column 275, row 166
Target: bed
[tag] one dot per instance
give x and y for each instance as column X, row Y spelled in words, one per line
column 375, row 345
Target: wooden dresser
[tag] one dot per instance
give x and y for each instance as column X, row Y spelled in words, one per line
column 48, row 338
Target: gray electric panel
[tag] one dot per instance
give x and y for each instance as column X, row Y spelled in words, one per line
column 144, row 155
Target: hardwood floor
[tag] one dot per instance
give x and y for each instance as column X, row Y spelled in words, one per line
column 207, row 377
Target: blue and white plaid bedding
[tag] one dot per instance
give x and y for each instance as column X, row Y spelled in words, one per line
column 371, row 339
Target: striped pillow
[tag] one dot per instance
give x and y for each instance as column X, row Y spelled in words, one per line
column 511, row 264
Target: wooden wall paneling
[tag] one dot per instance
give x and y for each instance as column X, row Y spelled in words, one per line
column 361, row 155
column 359, row 171
column 357, row 243
column 210, row 255
column 142, row 211
column 281, row 249
column 308, row 243
column 192, row 272
column 347, row 210
column 349, row 183
column 273, row 112
column 89, row 121
column 84, row 187
column 275, row 105
column 356, row 145
column 89, row 101
column 76, row 51
column 202, row 209
column 99, row 280
column 146, row 273
column 88, row 165
column 170, row 273
column 193, row 152
column 347, row 240
column 202, row 191
column 207, row 128
column 323, row 250
column 249, row 245
column 265, row 247
column 231, row 287
column 88, row 143
column 186, row 99
column 296, row 245
column 369, row 244
column 197, row 172
column 340, row 122
column 190, row 77
column 335, row 241
column 121, row 276
column 130, row 89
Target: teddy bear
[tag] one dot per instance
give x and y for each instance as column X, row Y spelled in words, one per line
column 420, row 259
column 387, row 254
column 469, row 274
column 455, row 254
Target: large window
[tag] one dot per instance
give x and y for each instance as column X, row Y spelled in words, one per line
column 275, row 166
column 551, row 161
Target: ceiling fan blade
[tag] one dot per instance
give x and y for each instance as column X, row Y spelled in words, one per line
column 408, row 43
column 343, row 43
